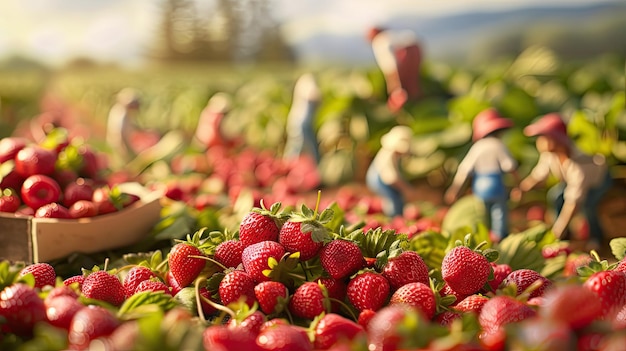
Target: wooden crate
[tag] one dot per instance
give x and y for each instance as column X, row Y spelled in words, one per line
column 29, row 239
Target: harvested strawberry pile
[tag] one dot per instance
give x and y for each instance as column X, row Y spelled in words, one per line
column 309, row 279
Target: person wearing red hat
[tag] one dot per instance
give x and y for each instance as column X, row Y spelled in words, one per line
column 487, row 161
column 583, row 179
column 398, row 55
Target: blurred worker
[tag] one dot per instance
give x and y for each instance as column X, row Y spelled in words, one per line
column 301, row 138
column 487, row 161
column 121, row 124
column 399, row 56
column 583, row 179
column 209, row 132
column 384, row 175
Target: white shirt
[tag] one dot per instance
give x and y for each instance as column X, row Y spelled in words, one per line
column 385, row 45
column 119, row 129
column 488, row 155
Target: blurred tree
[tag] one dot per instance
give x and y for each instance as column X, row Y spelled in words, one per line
column 227, row 31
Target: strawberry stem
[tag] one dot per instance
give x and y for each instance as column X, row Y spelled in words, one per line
column 345, row 307
column 317, row 203
column 106, row 264
column 210, row 260
column 200, row 298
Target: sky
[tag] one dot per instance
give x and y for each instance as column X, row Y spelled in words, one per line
column 56, row 31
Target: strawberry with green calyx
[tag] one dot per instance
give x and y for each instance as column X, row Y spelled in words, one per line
column 368, row 290
column 21, row 308
column 103, row 285
column 229, row 251
column 417, row 295
column 341, row 258
column 468, row 270
column 187, row 260
column 608, row 284
column 288, row 270
column 328, row 329
column 378, row 245
column 135, row 276
column 337, row 290
column 262, row 224
column 43, row 273
column 272, row 296
column 402, row 267
column 501, row 311
column 523, row 278
column 237, row 285
column 255, row 258
column 309, row 300
column 305, row 231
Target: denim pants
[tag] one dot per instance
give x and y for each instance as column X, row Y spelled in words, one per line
column 589, row 207
column 393, row 202
column 490, row 189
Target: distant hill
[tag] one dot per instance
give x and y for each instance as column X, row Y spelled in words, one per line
column 572, row 31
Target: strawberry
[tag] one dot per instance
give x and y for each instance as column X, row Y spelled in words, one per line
column 308, row 301
column 255, row 258
column 574, row 305
column 185, row 269
column 473, row 303
column 229, row 253
column 151, row 285
column 445, row 318
column 34, row 159
column 500, row 272
column 523, row 278
column 75, row 279
column 83, row 209
column 207, row 308
column 368, row 290
column 38, row 190
column 9, row 179
column 365, row 317
column 10, row 146
column 500, row 311
column 89, row 323
column 332, row 328
column 224, row 338
column 103, row 286
column 407, row 267
column 417, row 295
column 53, row 210
column 269, row 294
column 304, row 232
column 9, row 200
column 43, row 272
column 61, row 309
column 61, row 290
column 388, row 329
column 134, row 277
column 610, row 289
column 80, row 189
column 22, row 308
column 336, row 290
column 284, row 338
column 173, row 283
column 261, row 224
column 446, row 290
column 237, row 285
column 465, row 270
column 341, row 258
column 621, row 266
column 252, row 323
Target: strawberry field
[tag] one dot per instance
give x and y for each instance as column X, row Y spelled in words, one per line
column 255, row 252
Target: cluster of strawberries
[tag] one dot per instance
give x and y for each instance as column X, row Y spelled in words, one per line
column 299, row 281
column 55, row 178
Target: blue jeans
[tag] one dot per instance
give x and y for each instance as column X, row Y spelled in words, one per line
column 589, row 207
column 393, row 202
column 491, row 190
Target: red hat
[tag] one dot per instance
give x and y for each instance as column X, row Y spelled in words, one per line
column 488, row 121
column 551, row 125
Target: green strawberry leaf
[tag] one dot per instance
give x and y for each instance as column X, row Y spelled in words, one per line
column 335, row 224
column 326, row 216
column 520, row 250
column 9, row 273
column 156, row 298
column 618, row 248
column 491, row 255
column 431, row 246
column 307, row 212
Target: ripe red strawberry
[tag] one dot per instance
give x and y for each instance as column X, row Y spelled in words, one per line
column 255, row 258
column 308, row 301
column 61, row 290
column 341, row 258
column 336, row 289
column 75, row 279
column 80, row 189
column 446, row 290
column 621, row 266
column 172, row 283
column 152, row 285
column 365, row 317
column 89, row 323
column 333, row 328
column 408, row 267
column 417, row 295
column 34, row 159
column 610, row 288
column 473, row 303
column 10, row 146
column 9, row 200
column 229, row 253
column 574, row 305
column 284, row 338
column 500, row 272
column 251, row 323
column 184, row 268
column 103, row 286
column 61, row 309
column 53, row 210
column 268, row 294
column 22, row 308
column 575, row 261
column 523, row 278
column 43, row 272
column 464, row 270
column 237, row 285
column 368, row 290
column 502, row 310
column 446, row 318
column 38, row 190
column 83, row 209
column 134, row 277
column 224, row 338
column 103, row 201
column 383, row 330
column 305, row 233
column 261, row 224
